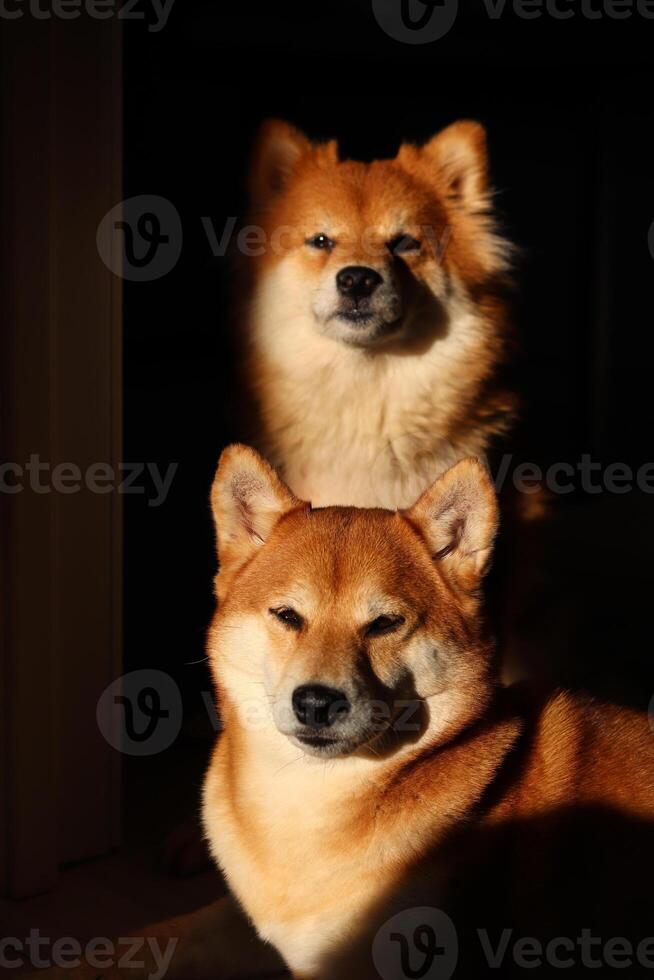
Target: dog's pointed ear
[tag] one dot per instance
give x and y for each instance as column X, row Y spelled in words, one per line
column 247, row 500
column 458, row 518
column 278, row 148
column 459, row 158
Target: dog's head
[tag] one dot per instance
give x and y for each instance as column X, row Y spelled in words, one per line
column 355, row 629
column 369, row 254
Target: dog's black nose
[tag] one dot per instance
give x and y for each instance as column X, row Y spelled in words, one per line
column 357, row 281
column 318, row 706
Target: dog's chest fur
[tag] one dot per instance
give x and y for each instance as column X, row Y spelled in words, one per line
column 280, row 842
column 315, row 852
column 347, row 426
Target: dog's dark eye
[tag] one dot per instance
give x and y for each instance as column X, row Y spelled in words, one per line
column 321, row 241
column 383, row 625
column 401, row 244
column 289, row 617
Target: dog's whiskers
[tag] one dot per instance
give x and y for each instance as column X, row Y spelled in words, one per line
column 286, row 764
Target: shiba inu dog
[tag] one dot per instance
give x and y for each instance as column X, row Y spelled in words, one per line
column 371, row 766
column 372, row 314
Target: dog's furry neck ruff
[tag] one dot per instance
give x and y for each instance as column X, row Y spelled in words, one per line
column 373, row 427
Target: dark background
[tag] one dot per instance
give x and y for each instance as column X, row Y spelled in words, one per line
column 568, row 108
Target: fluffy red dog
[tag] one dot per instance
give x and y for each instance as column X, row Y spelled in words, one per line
column 371, row 766
column 373, row 322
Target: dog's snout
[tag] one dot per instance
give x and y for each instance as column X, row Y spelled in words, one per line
column 357, row 281
column 318, row 706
